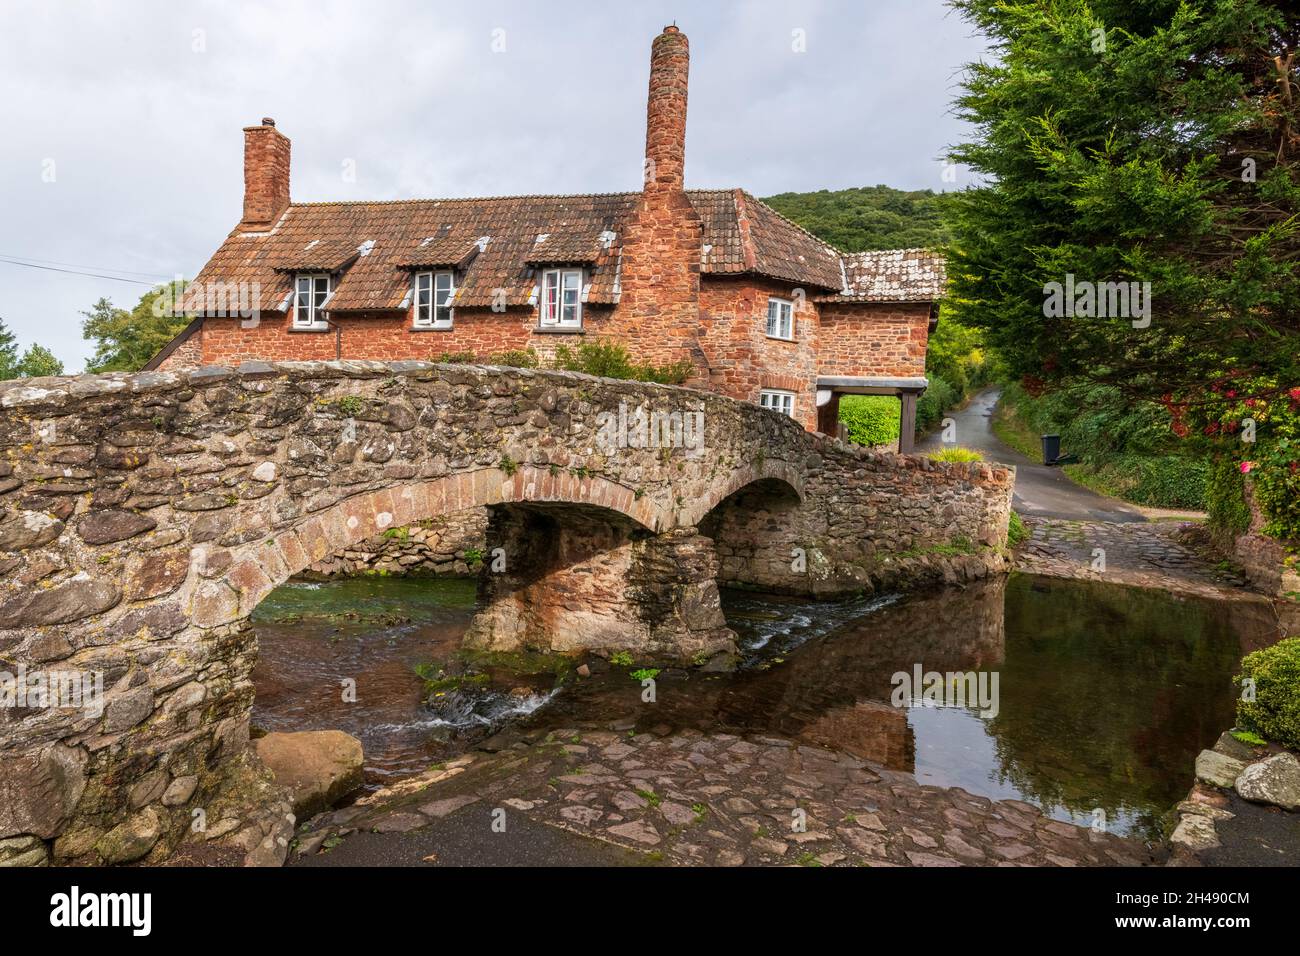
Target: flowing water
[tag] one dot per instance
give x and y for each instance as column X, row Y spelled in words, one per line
column 1105, row 694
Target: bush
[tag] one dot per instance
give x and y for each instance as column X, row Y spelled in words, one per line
column 870, row 419
column 956, row 454
column 612, row 360
column 1274, row 714
column 938, row 398
column 516, row 358
column 457, row 358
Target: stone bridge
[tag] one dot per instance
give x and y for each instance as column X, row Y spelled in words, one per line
column 143, row 517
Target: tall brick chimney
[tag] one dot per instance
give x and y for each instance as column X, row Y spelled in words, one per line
column 665, row 127
column 658, row 313
column 266, row 175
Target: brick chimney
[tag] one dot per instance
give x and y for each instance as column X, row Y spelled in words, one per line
column 266, row 175
column 665, row 127
column 658, row 313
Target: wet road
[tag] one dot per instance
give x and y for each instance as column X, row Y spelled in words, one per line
column 1041, row 492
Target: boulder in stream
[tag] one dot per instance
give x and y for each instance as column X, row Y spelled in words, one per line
column 320, row 767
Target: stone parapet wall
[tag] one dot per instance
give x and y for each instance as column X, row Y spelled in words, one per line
column 868, row 520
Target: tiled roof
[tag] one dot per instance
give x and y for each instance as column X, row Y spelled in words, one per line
column 318, row 255
column 893, row 275
column 499, row 242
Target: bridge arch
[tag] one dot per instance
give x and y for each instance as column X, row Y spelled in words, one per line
column 237, row 581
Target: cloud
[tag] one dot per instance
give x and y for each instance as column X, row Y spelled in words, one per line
column 137, row 108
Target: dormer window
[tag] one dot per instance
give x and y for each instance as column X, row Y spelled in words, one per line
column 561, row 305
column 433, row 294
column 312, row 291
column 780, row 318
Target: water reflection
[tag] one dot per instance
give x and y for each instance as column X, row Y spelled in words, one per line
column 1106, row 693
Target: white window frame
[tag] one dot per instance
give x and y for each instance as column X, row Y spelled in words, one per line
column 314, row 307
column 553, row 312
column 784, row 309
column 777, row 400
column 429, row 312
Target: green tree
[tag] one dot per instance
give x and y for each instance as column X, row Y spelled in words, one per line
column 38, row 361
column 125, row 341
column 869, row 217
column 1151, row 141
column 8, row 353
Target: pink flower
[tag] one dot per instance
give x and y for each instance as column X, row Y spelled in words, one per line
column 1246, row 466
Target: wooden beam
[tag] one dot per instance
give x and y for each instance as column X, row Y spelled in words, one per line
column 907, row 423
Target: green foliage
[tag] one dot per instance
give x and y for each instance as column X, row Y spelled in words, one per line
column 508, row 465
column 457, row 358
column 350, row 405
column 34, row 363
column 868, row 217
column 38, row 361
column 1016, row 530
column 1269, row 453
column 1274, row 714
column 8, row 353
column 1166, row 155
column 956, row 354
column 1277, row 488
column 125, row 341
column 612, row 360
column 938, row 398
column 870, row 419
column 473, row 557
column 1246, row 737
column 1125, row 447
column 621, row 659
column 956, row 454
column 516, row 358
column 644, row 673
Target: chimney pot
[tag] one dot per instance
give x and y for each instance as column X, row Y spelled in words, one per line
column 267, row 121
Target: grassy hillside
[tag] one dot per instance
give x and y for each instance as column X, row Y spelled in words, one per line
column 869, row 217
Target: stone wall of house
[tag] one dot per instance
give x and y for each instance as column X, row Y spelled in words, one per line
column 447, row 544
column 886, row 339
column 187, row 355
column 743, row 360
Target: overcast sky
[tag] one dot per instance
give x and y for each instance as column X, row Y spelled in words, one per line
column 123, row 147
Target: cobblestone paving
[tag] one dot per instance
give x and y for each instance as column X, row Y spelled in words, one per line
column 1143, row 555
column 723, row 800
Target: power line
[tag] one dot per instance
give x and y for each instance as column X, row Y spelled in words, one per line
column 77, row 265
column 93, row 275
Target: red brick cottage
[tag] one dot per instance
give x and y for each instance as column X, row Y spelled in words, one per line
column 765, row 311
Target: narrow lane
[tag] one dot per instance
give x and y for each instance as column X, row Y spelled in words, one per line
column 1041, row 492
